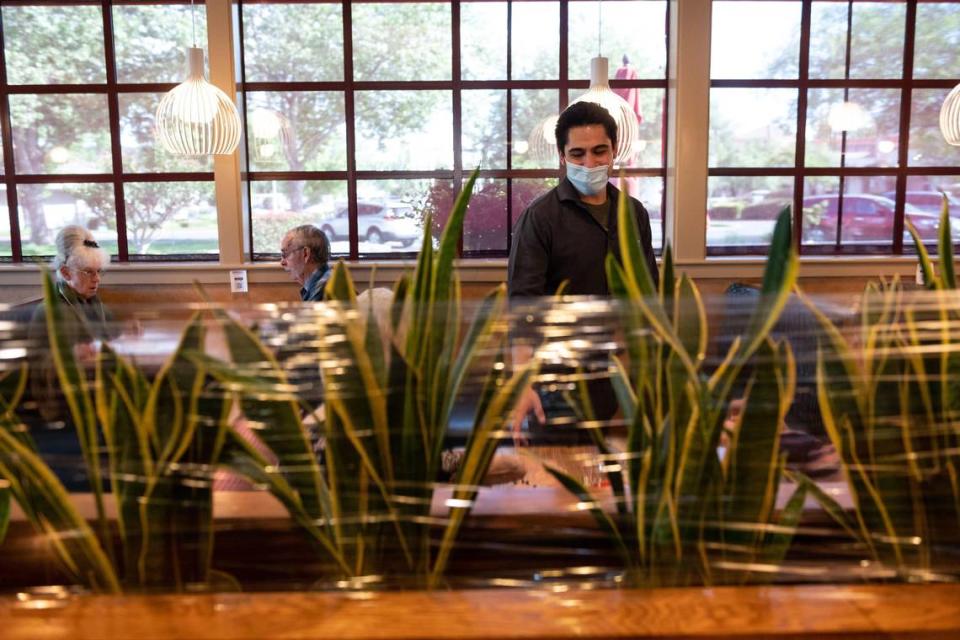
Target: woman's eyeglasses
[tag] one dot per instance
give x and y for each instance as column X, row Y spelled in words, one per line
column 89, row 273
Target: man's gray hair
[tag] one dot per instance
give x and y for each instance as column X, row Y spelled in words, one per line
column 315, row 240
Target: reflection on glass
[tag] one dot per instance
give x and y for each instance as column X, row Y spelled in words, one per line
column 150, row 41
column 403, row 41
column 531, row 108
column 404, row 130
column 635, row 29
column 296, row 131
column 867, row 216
column 390, row 213
column 484, row 129
column 649, row 191
column 75, row 133
column 165, row 218
column 295, row 42
column 526, row 191
column 924, row 195
column 936, row 41
column 648, row 148
column 45, row 209
column 483, row 41
column 535, row 58
column 872, row 136
column 828, row 39
column 753, row 127
column 138, row 142
column 742, row 210
column 876, row 46
column 485, row 227
column 752, row 40
column 927, row 146
column 54, row 45
column 6, row 245
column 279, row 205
column 2, row 165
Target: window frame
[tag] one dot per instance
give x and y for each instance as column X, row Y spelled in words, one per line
column 112, row 89
column 456, row 86
column 799, row 172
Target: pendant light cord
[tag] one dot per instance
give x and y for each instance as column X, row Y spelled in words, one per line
column 600, row 28
column 193, row 18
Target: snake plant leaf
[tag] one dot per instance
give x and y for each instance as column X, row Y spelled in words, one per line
column 13, row 384
column 930, row 279
column 285, row 434
column 47, row 504
column 4, row 509
column 477, row 456
column 778, row 542
column 478, row 338
column 668, row 279
column 589, row 503
column 779, row 278
column 639, row 286
column 73, row 385
column 945, row 247
column 690, row 319
column 754, row 451
column 832, row 508
column 242, row 457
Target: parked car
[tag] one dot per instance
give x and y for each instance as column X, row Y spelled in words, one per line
column 930, row 201
column 866, row 218
column 377, row 222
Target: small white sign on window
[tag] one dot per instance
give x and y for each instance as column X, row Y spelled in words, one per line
column 238, row 281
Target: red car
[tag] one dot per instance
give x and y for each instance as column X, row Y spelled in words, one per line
column 866, row 218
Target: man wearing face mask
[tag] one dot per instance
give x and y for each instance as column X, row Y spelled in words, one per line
column 566, row 234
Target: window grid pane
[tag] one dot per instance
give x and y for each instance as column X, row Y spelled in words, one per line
column 846, row 178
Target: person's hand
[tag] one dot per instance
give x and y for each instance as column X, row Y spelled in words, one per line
column 528, row 402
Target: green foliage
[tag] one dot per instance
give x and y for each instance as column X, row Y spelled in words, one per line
column 888, row 396
column 162, row 438
column 691, row 516
column 389, row 400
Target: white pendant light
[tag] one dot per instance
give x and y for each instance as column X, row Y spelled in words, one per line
column 950, row 117
column 542, row 141
column 628, row 127
column 195, row 118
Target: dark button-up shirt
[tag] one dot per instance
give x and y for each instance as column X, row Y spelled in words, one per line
column 557, row 239
column 312, row 290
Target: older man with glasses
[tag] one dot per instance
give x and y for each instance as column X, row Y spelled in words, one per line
column 305, row 255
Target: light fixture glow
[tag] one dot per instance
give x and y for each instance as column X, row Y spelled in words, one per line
column 195, row 118
column 628, row 127
column 848, row 116
column 950, row 117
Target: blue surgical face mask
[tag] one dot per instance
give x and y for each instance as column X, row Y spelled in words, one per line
column 589, row 182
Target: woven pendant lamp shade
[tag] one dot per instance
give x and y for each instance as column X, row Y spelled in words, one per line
column 950, row 117
column 628, row 127
column 196, row 118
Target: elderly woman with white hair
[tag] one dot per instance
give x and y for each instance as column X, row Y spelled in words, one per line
column 78, row 267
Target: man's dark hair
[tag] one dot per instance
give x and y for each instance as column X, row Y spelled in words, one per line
column 315, row 240
column 580, row 114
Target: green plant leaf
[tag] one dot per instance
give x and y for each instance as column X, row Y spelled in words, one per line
column 930, row 279
column 945, row 247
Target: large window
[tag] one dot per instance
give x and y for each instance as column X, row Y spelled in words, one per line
column 79, row 83
column 366, row 117
column 832, row 107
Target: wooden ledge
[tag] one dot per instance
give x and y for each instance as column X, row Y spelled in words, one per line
column 850, row 612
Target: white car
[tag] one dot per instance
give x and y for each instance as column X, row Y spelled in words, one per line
column 377, row 222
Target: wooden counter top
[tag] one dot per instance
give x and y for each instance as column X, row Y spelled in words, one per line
column 850, row 612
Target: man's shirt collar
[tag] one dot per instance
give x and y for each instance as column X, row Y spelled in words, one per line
column 312, row 290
